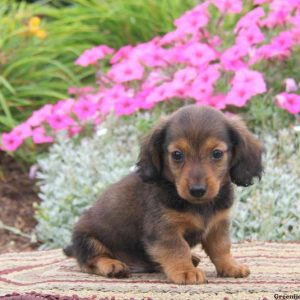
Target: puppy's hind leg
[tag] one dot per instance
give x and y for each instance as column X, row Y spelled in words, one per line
column 94, row 257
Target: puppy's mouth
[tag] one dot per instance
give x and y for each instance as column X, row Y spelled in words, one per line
column 195, row 200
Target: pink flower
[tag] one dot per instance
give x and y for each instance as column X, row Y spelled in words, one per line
column 85, row 109
column 194, row 19
column 197, row 54
column 74, row 130
column 39, row 136
column 209, row 75
column 290, row 85
column 111, row 96
column 63, row 107
column 217, row 101
column 253, row 81
column 91, row 56
column 177, row 35
column 250, row 36
column 257, row 2
column 283, row 41
column 59, row 121
column 39, row 116
column 175, row 55
column 116, row 93
column 160, row 93
column 233, row 58
column 154, row 57
column 80, row 91
column 122, row 53
column 238, row 96
column 278, row 15
column 249, row 19
column 228, row 6
column 202, row 88
column 294, row 3
column 23, row 131
column 149, row 54
column 200, row 91
column 141, row 99
column 126, row 71
column 178, row 89
column 154, row 78
column 214, row 41
column 11, row 141
column 295, row 31
column 186, row 75
column 279, row 48
column 245, row 84
column 289, row 102
column 125, row 106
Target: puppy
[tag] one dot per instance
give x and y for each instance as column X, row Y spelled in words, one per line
column 179, row 196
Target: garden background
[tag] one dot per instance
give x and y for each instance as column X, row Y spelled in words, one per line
column 82, row 81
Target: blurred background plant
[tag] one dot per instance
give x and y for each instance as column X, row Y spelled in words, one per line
column 39, row 43
column 220, row 55
column 241, row 60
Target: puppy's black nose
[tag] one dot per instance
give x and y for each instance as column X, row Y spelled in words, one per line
column 198, row 190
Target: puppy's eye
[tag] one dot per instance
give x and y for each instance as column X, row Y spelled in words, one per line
column 177, row 156
column 217, row 154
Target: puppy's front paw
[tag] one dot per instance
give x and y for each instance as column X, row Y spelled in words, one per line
column 233, row 269
column 188, row 276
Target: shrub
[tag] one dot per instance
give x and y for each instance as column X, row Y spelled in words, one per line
column 270, row 209
column 219, row 55
column 75, row 172
column 39, row 43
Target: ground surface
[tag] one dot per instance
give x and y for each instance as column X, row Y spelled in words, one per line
column 17, row 196
column 275, row 269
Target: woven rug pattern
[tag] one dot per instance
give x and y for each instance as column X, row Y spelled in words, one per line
column 275, row 270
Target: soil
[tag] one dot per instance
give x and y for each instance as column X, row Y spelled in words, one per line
column 17, row 196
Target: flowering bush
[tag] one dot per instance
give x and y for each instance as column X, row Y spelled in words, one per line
column 204, row 59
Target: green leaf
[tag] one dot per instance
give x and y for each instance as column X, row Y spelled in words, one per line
column 7, row 85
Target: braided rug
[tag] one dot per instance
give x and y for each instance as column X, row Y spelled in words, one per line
column 39, row 275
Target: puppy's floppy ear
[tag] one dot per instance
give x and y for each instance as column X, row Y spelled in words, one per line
column 246, row 153
column 150, row 161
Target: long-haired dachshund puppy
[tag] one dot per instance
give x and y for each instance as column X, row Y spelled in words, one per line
column 179, row 196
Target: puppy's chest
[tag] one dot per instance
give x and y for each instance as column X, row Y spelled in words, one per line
column 194, row 226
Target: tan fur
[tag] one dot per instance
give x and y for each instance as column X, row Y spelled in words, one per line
column 216, row 244
column 184, row 221
column 181, row 144
column 103, row 264
column 217, row 219
column 213, row 143
column 214, row 170
column 178, row 265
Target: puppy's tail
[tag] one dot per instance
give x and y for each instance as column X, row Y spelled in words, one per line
column 68, row 251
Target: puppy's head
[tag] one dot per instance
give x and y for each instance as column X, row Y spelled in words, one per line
column 198, row 149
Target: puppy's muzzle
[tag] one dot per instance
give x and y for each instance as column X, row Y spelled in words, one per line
column 198, row 190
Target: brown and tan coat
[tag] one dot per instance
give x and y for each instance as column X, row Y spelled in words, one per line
column 179, row 196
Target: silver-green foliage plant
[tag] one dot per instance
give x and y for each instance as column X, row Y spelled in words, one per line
column 75, row 172
column 270, row 209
